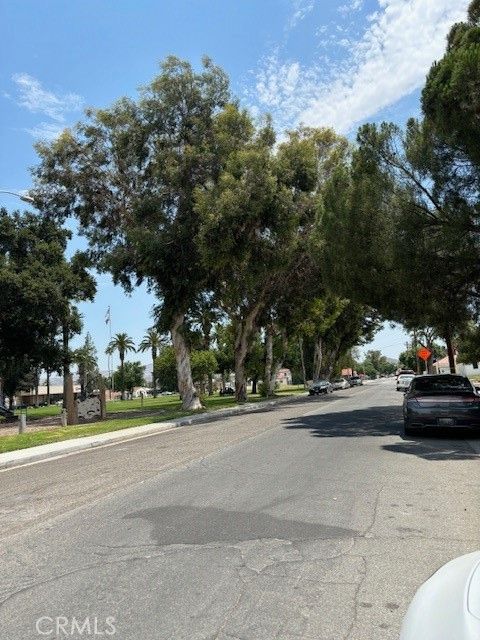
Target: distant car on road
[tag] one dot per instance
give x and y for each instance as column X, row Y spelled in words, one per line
column 405, row 372
column 6, row 414
column 447, row 605
column 320, row 386
column 403, row 381
column 443, row 400
column 355, row 381
column 340, row 383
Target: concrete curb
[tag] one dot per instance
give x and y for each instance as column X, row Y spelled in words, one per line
column 45, row 451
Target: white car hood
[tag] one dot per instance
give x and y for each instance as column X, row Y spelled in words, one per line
column 447, row 605
column 473, row 594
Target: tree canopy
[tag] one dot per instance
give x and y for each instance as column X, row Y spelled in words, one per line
column 450, row 99
column 128, row 174
column 39, row 288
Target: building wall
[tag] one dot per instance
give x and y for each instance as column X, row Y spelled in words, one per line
column 468, row 369
column 462, row 369
column 284, row 376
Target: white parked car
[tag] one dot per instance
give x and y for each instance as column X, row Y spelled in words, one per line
column 340, row 383
column 403, row 382
column 447, row 605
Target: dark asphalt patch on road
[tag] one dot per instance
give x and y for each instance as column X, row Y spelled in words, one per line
column 178, row 524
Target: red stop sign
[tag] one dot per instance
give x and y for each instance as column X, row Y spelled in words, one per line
column 424, row 353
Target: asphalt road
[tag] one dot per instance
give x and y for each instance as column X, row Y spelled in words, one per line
column 316, row 520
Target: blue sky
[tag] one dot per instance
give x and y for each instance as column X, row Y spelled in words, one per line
column 321, row 62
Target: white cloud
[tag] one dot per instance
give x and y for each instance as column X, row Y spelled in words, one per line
column 45, row 130
column 388, row 62
column 349, row 7
column 36, row 99
column 32, row 96
column 301, row 8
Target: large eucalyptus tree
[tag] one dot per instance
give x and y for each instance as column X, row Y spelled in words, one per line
column 128, row 174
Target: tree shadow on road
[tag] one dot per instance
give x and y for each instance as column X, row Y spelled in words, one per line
column 387, row 421
column 374, row 421
column 435, row 448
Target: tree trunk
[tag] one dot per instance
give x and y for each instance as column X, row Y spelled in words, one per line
column 317, row 359
column 48, row 387
column 242, row 339
column 273, row 377
column 154, row 381
column 279, row 362
column 302, row 360
column 415, row 347
column 71, row 407
column 122, row 374
column 66, row 364
column 450, row 352
column 240, row 378
column 268, row 360
column 254, row 384
column 11, row 401
column 429, row 364
column 329, row 361
column 190, row 399
column 81, row 375
column 36, row 387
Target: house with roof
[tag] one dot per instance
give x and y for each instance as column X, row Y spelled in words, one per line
column 464, row 369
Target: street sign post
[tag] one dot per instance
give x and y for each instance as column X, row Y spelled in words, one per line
column 424, row 353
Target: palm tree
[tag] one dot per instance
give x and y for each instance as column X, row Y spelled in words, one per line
column 152, row 340
column 122, row 343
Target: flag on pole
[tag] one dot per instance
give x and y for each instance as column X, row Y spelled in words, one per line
column 107, row 316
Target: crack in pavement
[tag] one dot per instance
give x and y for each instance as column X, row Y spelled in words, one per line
column 355, row 599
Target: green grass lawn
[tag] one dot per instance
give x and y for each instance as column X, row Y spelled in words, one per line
column 161, row 409
column 159, row 403
column 41, row 412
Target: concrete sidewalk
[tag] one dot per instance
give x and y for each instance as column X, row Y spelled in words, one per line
column 55, row 449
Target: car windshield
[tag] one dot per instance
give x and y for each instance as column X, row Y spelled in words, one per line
column 405, row 378
column 442, row 384
column 321, row 382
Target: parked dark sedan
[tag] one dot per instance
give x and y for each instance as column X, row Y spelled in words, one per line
column 444, row 400
column 320, row 386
